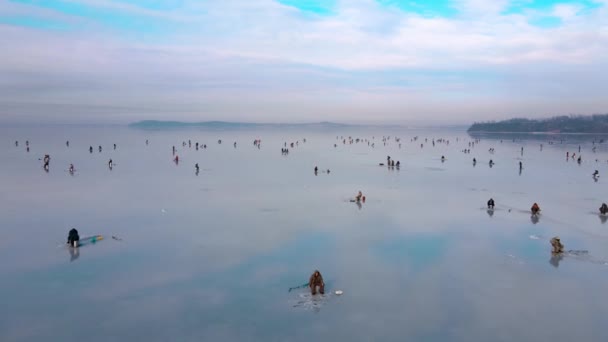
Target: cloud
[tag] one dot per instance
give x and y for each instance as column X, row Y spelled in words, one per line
column 363, row 57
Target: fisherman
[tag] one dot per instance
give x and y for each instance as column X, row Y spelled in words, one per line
column 535, row 208
column 316, row 170
column 604, row 209
column 176, row 159
column 442, row 158
column 67, row 143
column 196, row 167
column 491, row 203
column 596, row 173
column 16, row 143
column 360, row 197
column 316, row 280
column 557, row 245
column 146, row 142
column 73, row 237
column 521, row 166
column 90, row 149
column 474, row 161
column 398, row 164
column 491, row 162
column 110, row 164
column 71, row 169
column 114, row 146
column 100, row 148
column 579, row 160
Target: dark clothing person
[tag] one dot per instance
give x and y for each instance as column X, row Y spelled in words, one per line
column 90, row 149
column 491, row 204
column 604, row 208
column 316, row 280
column 535, row 208
column 557, row 246
column 73, row 237
column 359, row 196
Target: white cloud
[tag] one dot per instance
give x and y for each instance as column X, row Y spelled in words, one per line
column 566, row 12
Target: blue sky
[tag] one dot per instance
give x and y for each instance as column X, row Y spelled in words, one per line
column 448, row 61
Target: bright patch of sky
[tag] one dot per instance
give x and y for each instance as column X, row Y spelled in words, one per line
column 429, row 8
column 546, row 21
column 552, row 13
column 159, row 5
column 314, row 6
column 37, row 23
column 520, row 6
column 99, row 14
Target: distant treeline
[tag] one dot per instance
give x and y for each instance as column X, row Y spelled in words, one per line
column 154, row 124
column 560, row 124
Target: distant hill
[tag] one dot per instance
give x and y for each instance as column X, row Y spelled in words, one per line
column 154, row 124
column 559, row 124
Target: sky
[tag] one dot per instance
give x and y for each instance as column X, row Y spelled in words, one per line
column 352, row 61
